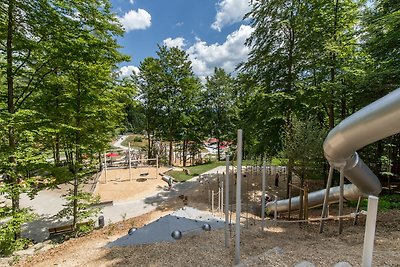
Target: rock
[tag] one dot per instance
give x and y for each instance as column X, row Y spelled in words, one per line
column 343, row 264
column 304, row 264
column 29, row 251
column 251, row 261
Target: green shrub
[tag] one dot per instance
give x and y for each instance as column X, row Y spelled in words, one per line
column 137, row 139
column 386, row 202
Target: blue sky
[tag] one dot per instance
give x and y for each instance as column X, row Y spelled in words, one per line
column 212, row 32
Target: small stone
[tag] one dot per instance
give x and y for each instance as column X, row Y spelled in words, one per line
column 343, row 264
column 304, row 264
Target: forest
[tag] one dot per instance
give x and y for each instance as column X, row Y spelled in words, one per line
column 312, row 64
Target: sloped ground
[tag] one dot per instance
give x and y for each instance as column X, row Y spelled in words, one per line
column 282, row 244
column 291, row 243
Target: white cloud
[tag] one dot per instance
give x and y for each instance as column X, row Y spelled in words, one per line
column 228, row 55
column 131, row 1
column 136, row 20
column 177, row 42
column 230, row 11
column 126, row 71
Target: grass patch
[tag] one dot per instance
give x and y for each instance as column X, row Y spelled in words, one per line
column 179, row 176
column 136, row 140
column 182, row 176
column 386, row 202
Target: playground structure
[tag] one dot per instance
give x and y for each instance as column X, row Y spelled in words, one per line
column 139, row 168
column 370, row 124
column 377, row 116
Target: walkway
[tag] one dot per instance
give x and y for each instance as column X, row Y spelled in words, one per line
column 48, row 203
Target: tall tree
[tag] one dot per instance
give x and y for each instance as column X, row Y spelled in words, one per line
column 276, row 53
column 25, row 40
column 39, row 39
column 88, row 92
column 219, row 106
column 168, row 88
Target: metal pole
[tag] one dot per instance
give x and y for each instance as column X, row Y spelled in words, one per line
column 129, row 161
column 306, row 202
column 276, row 208
column 227, row 202
column 263, row 196
column 238, row 195
column 212, row 200
column 370, row 231
column 105, row 167
column 326, row 198
column 341, row 193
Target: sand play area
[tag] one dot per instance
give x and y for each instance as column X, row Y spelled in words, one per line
column 125, row 184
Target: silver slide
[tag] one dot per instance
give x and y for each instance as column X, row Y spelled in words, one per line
column 374, row 122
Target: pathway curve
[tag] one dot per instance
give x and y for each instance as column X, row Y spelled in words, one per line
column 38, row 229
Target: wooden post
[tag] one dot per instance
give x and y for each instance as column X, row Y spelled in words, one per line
column 227, row 202
column 276, row 208
column 306, row 202
column 238, row 194
column 129, row 161
column 212, row 200
column 357, row 210
column 290, row 199
column 156, row 166
column 301, row 206
column 221, row 209
column 341, row 198
column 326, row 200
column 263, row 196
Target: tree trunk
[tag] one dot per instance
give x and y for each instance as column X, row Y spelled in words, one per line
column 14, row 179
column 149, row 145
column 170, row 152
column 57, row 150
column 77, row 154
column 331, row 112
column 218, row 151
column 184, row 152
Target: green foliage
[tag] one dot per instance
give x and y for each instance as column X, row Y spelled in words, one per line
column 86, row 209
column 168, row 90
column 11, row 224
column 218, row 107
column 386, row 202
column 135, row 140
column 302, row 141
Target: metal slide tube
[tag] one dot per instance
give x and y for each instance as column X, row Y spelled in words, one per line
column 316, row 198
column 368, row 125
column 374, row 122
